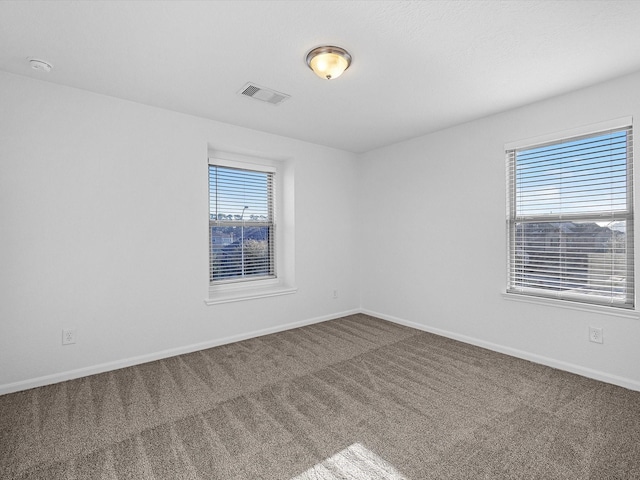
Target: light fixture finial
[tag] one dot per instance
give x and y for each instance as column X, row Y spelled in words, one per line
column 328, row 62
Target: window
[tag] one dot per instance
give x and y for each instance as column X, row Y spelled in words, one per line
column 251, row 233
column 570, row 217
column 241, row 225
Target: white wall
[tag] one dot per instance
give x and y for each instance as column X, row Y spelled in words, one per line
column 104, row 218
column 103, row 214
column 442, row 198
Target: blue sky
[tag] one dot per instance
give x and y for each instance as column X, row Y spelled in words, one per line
column 581, row 176
column 231, row 190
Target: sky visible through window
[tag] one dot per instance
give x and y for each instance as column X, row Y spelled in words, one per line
column 241, row 194
column 586, row 176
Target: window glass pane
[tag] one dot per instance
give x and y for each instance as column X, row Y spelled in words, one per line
column 236, row 194
column 575, row 257
column 581, row 176
column 240, row 224
column 240, row 252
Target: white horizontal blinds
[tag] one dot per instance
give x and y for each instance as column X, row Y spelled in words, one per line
column 241, row 224
column 571, row 218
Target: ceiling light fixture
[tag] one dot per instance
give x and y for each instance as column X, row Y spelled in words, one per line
column 328, row 62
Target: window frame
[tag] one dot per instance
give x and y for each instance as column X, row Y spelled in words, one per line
column 546, row 296
column 283, row 282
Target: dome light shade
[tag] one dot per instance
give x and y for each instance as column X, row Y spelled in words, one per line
column 328, row 62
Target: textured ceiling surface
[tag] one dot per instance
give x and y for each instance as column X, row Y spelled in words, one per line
column 419, row 66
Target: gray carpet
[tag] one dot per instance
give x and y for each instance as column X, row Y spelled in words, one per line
column 353, row 398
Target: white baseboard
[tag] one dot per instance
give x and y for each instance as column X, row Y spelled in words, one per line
column 514, row 352
column 128, row 362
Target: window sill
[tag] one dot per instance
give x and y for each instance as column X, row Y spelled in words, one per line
column 248, row 293
column 583, row 307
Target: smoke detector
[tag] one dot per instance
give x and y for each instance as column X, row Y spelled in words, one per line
column 263, row 94
column 40, row 65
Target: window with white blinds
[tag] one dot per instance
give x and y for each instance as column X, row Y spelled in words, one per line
column 241, row 225
column 570, row 219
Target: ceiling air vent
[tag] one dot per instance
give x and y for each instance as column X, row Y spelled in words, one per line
column 263, row 94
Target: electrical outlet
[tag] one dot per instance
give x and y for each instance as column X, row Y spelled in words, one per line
column 68, row 336
column 595, row 334
column 335, row 294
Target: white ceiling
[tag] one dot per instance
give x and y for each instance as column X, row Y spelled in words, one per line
column 419, row 66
